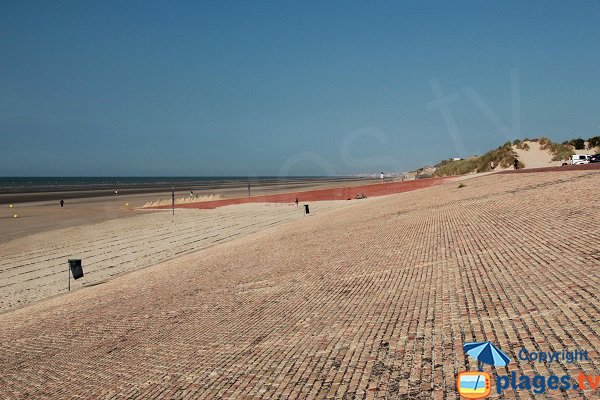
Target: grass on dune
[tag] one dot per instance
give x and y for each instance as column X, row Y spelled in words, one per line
column 561, row 152
column 503, row 156
column 183, row 200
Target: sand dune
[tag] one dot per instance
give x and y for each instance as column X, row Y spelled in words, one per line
column 535, row 157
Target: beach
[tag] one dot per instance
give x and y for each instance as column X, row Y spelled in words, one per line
column 113, row 239
column 27, row 190
column 299, row 201
column 40, row 210
column 34, row 267
column 369, row 298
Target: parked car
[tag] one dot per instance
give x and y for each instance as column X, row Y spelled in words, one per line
column 595, row 158
column 578, row 159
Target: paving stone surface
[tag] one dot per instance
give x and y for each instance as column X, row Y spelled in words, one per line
column 370, row 301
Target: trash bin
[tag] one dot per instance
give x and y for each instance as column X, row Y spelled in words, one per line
column 306, row 210
column 76, row 268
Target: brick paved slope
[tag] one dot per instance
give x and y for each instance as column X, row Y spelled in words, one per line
column 371, row 301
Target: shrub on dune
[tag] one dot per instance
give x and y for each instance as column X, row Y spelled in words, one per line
column 561, row 151
column 593, row 142
column 502, row 156
column 545, row 143
column 578, row 143
column 521, row 145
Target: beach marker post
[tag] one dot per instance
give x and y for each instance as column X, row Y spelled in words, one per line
column 173, row 199
column 306, row 209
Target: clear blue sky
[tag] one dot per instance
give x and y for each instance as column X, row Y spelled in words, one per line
column 276, row 87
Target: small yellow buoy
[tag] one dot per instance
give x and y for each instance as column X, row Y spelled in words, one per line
column 15, row 216
column 10, row 205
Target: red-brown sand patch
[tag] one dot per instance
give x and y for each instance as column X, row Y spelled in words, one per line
column 341, row 193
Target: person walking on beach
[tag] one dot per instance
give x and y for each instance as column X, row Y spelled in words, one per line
column 62, row 203
column 516, row 163
column 492, row 165
column 381, row 177
column 296, row 202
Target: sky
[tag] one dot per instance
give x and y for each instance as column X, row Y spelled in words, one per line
column 277, row 88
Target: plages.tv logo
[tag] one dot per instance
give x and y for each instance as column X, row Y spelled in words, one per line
column 474, row 385
column 478, row 384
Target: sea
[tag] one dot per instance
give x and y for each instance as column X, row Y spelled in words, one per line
column 9, row 185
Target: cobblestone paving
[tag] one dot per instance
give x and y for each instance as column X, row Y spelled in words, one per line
column 370, row 301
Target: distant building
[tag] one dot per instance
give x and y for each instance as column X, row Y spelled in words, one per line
column 456, row 158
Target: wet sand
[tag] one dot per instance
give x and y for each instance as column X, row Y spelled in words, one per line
column 35, row 193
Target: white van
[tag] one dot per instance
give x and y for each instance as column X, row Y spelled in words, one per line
column 580, row 159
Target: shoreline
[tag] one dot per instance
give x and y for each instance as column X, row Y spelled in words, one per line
column 41, row 193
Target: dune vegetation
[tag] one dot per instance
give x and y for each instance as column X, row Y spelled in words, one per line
column 183, row 200
column 504, row 155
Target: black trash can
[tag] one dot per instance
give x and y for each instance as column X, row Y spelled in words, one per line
column 306, row 210
column 76, row 268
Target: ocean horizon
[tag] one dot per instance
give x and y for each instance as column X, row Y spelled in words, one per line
column 43, row 184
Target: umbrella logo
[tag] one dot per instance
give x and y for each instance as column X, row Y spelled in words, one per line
column 477, row 384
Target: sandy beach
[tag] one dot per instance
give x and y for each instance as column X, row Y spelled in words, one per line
column 85, row 207
column 368, row 298
column 35, row 266
column 113, row 239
